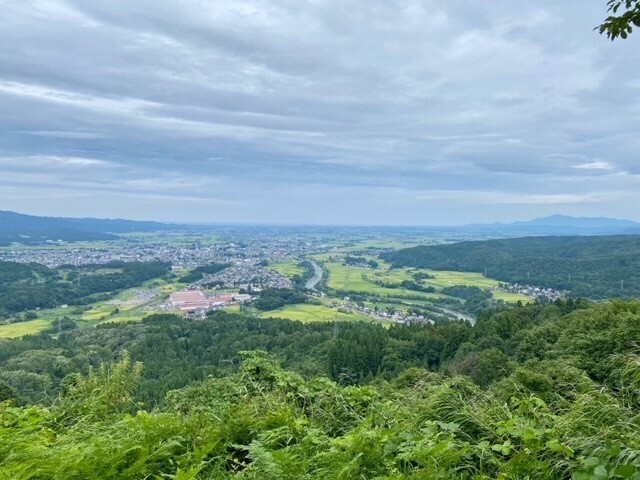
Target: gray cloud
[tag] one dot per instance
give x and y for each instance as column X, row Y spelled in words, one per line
column 401, row 111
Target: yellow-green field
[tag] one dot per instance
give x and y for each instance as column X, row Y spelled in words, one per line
column 448, row 279
column 511, row 297
column 169, row 288
column 15, row 330
column 288, row 268
column 104, row 312
column 313, row 313
column 356, row 279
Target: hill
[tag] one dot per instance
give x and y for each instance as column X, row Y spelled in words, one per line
column 33, row 230
column 594, row 267
column 549, row 392
column 34, row 286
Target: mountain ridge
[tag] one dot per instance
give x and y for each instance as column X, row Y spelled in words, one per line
column 560, row 225
column 32, row 230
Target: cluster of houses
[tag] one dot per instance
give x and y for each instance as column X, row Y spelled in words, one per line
column 246, row 274
column 396, row 316
column 548, row 294
column 197, row 252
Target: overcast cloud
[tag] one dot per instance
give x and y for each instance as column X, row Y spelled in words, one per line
column 350, row 112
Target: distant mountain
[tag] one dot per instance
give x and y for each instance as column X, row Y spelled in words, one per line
column 33, row 230
column 561, row 225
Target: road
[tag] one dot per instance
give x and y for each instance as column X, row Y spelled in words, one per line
column 317, row 276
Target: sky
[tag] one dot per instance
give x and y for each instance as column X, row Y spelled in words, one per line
column 359, row 112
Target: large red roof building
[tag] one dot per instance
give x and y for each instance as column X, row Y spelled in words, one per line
column 189, row 300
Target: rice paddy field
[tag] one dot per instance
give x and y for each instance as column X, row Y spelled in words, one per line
column 108, row 312
column 20, row 329
column 358, row 279
column 511, row 297
column 288, row 268
column 45, row 319
column 313, row 313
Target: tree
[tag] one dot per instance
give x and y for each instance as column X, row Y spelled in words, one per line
column 621, row 25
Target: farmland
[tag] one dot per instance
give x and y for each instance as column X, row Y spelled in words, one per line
column 288, row 268
column 312, row 313
column 14, row 330
column 357, row 279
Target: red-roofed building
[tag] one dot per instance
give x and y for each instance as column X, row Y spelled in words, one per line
column 189, row 300
column 222, row 299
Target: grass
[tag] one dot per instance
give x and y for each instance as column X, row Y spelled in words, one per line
column 356, row 279
column 287, row 268
column 511, row 297
column 169, row 288
column 15, row 330
column 313, row 313
column 132, row 315
column 448, row 279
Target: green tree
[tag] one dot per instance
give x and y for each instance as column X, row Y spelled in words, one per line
column 621, row 22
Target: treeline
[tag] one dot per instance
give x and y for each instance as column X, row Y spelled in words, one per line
column 31, row 286
column 199, row 272
column 300, row 280
column 177, row 352
column 360, row 261
column 545, row 392
column 593, row 267
column 408, row 284
column 274, row 298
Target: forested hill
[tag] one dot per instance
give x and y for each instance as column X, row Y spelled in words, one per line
column 594, row 267
column 31, row 286
column 548, row 392
column 33, row 230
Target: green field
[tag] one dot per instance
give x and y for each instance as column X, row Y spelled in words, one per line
column 511, row 297
column 313, row 313
column 390, row 244
column 288, row 268
column 449, row 279
column 14, row 330
column 357, row 279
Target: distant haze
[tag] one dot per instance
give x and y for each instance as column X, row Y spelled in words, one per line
column 363, row 112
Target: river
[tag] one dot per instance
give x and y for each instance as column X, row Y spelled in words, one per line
column 317, row 276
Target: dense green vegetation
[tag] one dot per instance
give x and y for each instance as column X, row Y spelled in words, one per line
column 301, row 280
column 360, row 261
column 273, row 298
column 593, row 267
column 30, row 286
column 199, row 272
column 550, row 392
column 620, row 22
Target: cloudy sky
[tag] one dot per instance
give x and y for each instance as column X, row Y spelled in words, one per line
column 291, row 111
